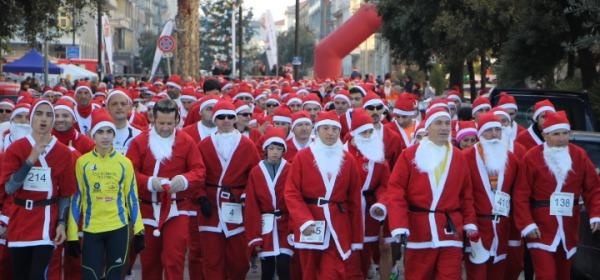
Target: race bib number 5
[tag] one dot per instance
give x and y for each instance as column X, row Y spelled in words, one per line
column 318, row 236
column 38, row 180
column 561, row 204
column 232, row 213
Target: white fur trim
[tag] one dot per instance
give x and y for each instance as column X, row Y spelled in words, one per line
column 470, row 227
column 373, row 102
column 302, row 92
column 543, row 109
column 328, row 122
column 242, row 94
column 18, row 111
column 464, row 131
column 44, row 101
column 399, row 231
column 438, row 105
column 254, row 241
column 454, row 97
column 514, row 243
column 510, row 106
column 312, row 102
column 208, row 102
column 253, row 121
column 556, row 127
column 7, row 104
column 342, row 97
column 300, row 120
column 481, row 106
column 223, row 112
column 274, row 140
column 102, row 124
column 174, row 85
column 356, row 246
column 362, row 128
column 403, row 113
column 188, row 97
column 241, row 108
column 487, row 126
column 528, row 229
column 117, row 92
column 282, row 119
column 305, row 225
column 71, row 99
column 47, row 92
column 372, row 210
column 362, row 90
column 82, row 87
column 502, row 113
column 274, row 101
column 594, row 220
column 260, row 96
column 435, row 116
column 295, row 99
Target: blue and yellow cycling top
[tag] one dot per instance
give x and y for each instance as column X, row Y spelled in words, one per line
column 107, row 196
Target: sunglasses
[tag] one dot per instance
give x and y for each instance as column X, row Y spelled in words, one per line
column 272, row 105
column 245, row 114
column 373, row 107
column 222, row 117
column 2, row 111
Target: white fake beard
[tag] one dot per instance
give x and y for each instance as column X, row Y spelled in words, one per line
column 226, row 142
column 329, row 159
column 507, row 133
column 558, row 161
column 496, row 155
column 161, row 148
column 387, row 90
column 19, row 130
column 429, row 155
column 371, row 148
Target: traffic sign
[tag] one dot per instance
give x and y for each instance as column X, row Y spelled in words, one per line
column 167, row 55
column 72, row 52
column 297, row 60
column 166, row 43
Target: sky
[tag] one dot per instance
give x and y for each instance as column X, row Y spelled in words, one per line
column 277, row 7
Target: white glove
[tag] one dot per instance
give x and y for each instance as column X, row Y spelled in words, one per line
column 177, row 184
column 156, row 184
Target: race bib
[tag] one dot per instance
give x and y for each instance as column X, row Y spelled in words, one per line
column 38, row 180
column 268, row 222
column 561, row 204
column 232, row 213
column 501, row 204
column 318, row 236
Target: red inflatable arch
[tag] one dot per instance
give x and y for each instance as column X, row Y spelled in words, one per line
column 331, row 50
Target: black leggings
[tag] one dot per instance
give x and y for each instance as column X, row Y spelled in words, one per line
column 282, row 261
column 110, row 244
column 31, row 262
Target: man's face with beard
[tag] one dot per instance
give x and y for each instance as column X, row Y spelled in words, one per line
column 375, row 112
column 492, row 133
column 557, row 139
column 21, row 118
column 313, row 110
column 207, row 114
column 83, row 97
column 63, row 121
column 512, row 113
column 404, row 121
column 173, row 92
column 480, row 112
column 118, row 106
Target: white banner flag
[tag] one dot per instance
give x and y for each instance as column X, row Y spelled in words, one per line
column 108, row 44
column 167, row 29
column 270, row 37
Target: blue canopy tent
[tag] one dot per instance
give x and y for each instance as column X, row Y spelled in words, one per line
column 31, row 62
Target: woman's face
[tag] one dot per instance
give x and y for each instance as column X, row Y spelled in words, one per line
column 467, row 141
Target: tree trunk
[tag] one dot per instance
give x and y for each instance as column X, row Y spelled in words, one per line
column 588, row 68
column 456, row 74
column 571, row 66
column 483, row 70
column 188, row 38
column 472, row 82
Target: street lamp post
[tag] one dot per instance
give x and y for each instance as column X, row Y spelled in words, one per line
column 99, row 67
column 297, row 38
column 241, row 39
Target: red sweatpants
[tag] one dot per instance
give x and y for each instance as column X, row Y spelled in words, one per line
column 322, row 264
column 514, row 262
column 195, row 262
column 550, row 265
column 228, row 256
column 166, row 253
column 296, row 266
column 5, row 263
column 488, row 270
column 360, row 261
column 56, row 264
column 433, row 263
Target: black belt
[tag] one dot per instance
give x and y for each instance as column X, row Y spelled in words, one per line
column 29, row 204
column 277, row 213
column 546, row 203
column 368, row 193
column 321, row 201
column 157, row 202
column 227, row 190
column 494, row 218
column 449, row 224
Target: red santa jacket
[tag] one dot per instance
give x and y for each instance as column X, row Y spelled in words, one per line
column 193, row 115
column 494, row 235
column 37, row 226
column 409, row 187
column 395, row 127
column 292, row 149
column 197, row 132
column 373, row 180
column 226, row 181
column 536, row 182
column 528, row 138
column 80, row 142
column 343, row 229
column 185, row 160
column 392, row 144
column 265, row 196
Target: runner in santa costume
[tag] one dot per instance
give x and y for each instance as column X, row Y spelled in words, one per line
column 243, row 121
column 84, row 108
column 5, row 259
column 341, row 102
column 481, row 105
column 367, row 150
column 323, row 195
column 205, row 127
column 392, row 142
column 533, row 135
column 493, row 172
column 19, row 125
column 161, row 156
column 282, row 118
column 553, row 179
column 64, row 128
column 265, row 215
column 188, row 98
column 36, row 172
column 118, row 104
column 312, row 104
column 301, row 129
column 229, row 158
column 466, row 135
column 405, row 123
column 430, row 200
column 509, row 103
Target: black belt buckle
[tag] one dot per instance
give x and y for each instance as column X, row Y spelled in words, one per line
column 225, row 194
column 321, row 201
column 496, row 218
column 28, row 204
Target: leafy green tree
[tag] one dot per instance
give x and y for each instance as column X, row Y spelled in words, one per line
column 286, row 47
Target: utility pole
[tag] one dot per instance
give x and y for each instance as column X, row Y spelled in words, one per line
column 99, row 67
column 241, row 40
column 73, row 24
column 297, row 38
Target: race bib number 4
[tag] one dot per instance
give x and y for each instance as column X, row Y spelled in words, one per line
column 38, row 180
column 232, row 213
column 501, row 204
column 561, row 204
column 268, row 221
column 318, row 236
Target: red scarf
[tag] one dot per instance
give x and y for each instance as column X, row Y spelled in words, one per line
column 65, row 137
column 85, row 111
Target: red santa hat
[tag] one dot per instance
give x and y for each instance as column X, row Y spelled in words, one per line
column 405, row 106
column 464, row 129
column 419, row 129
column 342, row 94
column 240, row 106
column 438, row 103
column 507, row 101
column 63, row 104
column 118, row 92
column 174, row 81
column 260, row 93
column 7, row 102
column 157, row 81
column 361, row 121
column 152, row 102
column 500, row 111
column 454, row 95
column 101, row 91
column 556, row 120
column 25, row 97
column 487, row 121
column 153, row 90
column 293, row 98
column 243, row 91
column 282, row 114
column 302, row 92
column 434, row 114
column 300, row 117
column 207, row 100
column 274, row 135
column 481, row 103
column 69, row 96
column 188, row 93
column 361, row 88
column 328, row 118
column 83, row 85
column 47, row 90
column 286, row 90
column 165, row 207
column 100, row 119
column 542, row 106
column 37, row 103
column 312, row 99
column 134, row 95
column 18, row 109
column 372, row 99
column 223, row 107
column 226, row 85
column 274, row 99
column 58, row 90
